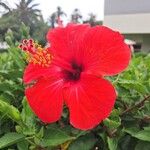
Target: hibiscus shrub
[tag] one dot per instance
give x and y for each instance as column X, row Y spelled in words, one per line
column 127, row 127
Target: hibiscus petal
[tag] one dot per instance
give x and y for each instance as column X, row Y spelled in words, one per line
column 64, row 42
column 113, row 54
column 101, row 50
column 90, row 101
column 45, row 99
column 34, row 72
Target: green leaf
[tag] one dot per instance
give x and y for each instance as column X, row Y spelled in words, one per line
column 24, row 31
column 8, row 39
column 53, row 137
column 5, row 86
column 85, row 142
column 10, row 111
column 112, row 123
column 147, row 129
column 16, row 55
column 10, row 139
column 114, row 120
column 23, row 145
column 127, row 142
column 28, row 118
column 128, row 84
column 112, row 143
column 143, row 135
column 142, row 145
column 27, row 115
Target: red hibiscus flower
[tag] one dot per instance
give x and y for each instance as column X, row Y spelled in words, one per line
column 71, row 72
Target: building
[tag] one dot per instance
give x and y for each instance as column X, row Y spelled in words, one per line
column 131, row 18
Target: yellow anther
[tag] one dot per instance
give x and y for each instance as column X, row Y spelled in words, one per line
column 37, row 55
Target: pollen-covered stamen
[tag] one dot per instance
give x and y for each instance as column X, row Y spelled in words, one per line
column 42, row 58
column 35, row 54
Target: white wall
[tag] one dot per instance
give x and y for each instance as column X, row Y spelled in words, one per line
column 131, row 23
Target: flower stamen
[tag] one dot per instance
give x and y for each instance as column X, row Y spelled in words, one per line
column 35, row 54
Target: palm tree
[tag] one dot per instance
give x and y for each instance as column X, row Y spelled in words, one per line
column 76, row 16
column 92, row 19
column 25, row 11
column 28, row 12
column 55, row 17
column 59, row 12
column 52, row 20
column 5, row 6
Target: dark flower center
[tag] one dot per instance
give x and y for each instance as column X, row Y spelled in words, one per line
column 75, row 73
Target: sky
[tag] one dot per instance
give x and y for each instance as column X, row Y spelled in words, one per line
column 85, row 7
